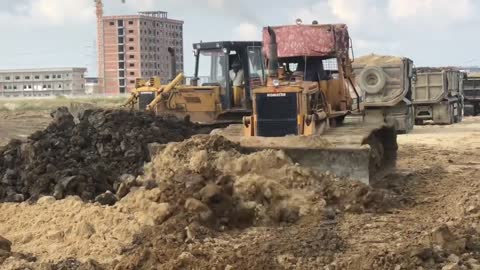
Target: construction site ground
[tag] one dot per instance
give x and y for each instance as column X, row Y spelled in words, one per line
column 423, row 215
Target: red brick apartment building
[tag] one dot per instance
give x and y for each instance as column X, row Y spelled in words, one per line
column 136, row 46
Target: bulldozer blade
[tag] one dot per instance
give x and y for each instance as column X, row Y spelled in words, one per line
column 347, row 163
column 356, row 152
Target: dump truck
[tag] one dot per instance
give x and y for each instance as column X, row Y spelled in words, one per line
column 302, row 107
column 471, row 92
column 386, row 87
column 220, row 91
column 438, row 95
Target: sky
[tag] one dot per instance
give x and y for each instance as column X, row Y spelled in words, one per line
column 59, row 33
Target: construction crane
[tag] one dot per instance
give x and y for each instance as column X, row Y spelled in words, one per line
column 99, row 13
column 99, row 5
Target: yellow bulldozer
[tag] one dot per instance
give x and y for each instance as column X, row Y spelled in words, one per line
column 220, row 91
column 306, row 106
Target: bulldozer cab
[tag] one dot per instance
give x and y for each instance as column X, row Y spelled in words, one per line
column 236, row 67
column 309, row 69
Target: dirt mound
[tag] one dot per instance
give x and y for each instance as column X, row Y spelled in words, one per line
column 222, row 197
column 85, row 158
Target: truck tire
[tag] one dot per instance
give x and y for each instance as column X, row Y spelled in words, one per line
column 456, row 118
column 451, row 110
column 372, row 79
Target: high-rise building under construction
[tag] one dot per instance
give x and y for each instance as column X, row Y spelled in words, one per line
column 136, row 46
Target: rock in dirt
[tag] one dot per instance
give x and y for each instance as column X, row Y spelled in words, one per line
column 443, row 237
column 107, row 198
column 85, row 158
column 451, row 266
column 5, row 244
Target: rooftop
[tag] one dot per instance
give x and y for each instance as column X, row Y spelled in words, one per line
column 157, row 14
column 163, row 15
column 57, row 69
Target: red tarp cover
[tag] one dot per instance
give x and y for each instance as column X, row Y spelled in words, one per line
column 309, row 40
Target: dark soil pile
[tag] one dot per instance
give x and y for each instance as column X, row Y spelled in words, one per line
column 85, row 158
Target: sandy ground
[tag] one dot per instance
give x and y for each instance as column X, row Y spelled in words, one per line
column 438, row 172
column 19, row 125
column 437, row 177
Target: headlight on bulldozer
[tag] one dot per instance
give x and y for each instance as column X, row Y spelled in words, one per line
column 276, row 83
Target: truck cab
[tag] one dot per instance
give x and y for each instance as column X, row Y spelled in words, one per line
column 236, row 67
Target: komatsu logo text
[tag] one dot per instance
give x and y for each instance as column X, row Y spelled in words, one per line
column 277, row 95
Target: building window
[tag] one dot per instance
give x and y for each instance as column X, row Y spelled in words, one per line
column 131, row 65
column 132, row 81
column 120, row 23
column 59, row 76
column 131, row 56
column 120, row 32
column 122, row 82
column 37, row 77
column 17, row 77
column 122, row 90
column 121, row 57
column 132, row 73
column 112, row 23
column 54, row 76
column 47, row 77
column 121, row 74
column 131, row 48
column 130, row 31
column 59, row 86
column 120, row 40
column 14, row 87
column 27, row 77
column 121, row 48
column 130, row 22
column 121, row 65
column 49, row 86
column 130, row 39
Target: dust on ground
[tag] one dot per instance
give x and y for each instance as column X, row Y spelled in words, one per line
column 19, row 125
column 438, row 169
column 205, row 203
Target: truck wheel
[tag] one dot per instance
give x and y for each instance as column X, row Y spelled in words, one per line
column 456, row 118
column 452, row 116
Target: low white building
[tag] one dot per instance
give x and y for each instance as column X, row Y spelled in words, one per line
column 42, row 82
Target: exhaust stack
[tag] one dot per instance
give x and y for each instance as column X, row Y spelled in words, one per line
column 173, row 63
column 273, row 59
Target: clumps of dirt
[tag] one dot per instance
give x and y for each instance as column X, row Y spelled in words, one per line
column 222, row 196
column 85, row 158
column 440, row 248
column 212, row 170
column 20, row 261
